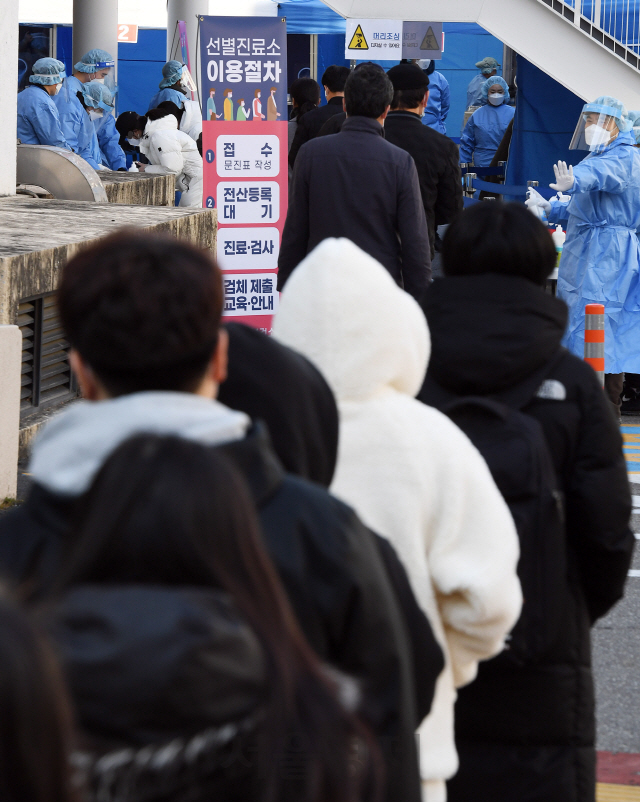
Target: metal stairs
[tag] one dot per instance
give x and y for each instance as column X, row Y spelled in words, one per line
column 592, row 47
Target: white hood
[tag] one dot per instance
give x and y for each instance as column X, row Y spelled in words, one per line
column 344, row 312
column 73, row 446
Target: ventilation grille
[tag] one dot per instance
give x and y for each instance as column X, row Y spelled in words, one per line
column 46, row 375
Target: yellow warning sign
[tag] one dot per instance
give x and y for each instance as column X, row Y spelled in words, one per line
column 358, row 42
column 430, row 42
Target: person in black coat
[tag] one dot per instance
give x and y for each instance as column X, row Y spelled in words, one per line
column 435, row 155
column 358, row 186
column 527, row 731
column 142, row 314
column 333, row 81
column 281, row 388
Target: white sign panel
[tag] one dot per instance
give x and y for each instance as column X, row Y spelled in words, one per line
column 249, row 202
column 248, row 156
column 248, row 248
column 422, row 40
column 250, row 294
column 373, row 39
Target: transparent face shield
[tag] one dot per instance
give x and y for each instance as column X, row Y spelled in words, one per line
column 186, row 79
column 105, row 73
column 595, row 132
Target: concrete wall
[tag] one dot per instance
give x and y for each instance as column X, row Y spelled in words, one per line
column 10, row 364
column 8, row 85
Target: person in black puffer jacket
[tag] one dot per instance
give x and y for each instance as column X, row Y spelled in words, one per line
column 527, row 732
column 190, row 676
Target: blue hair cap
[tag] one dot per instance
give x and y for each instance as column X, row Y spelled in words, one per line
column 95, row 60
column 47, row 72
column 171, row 73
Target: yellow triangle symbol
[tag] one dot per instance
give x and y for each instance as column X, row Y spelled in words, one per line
column 430, row 42
column 358, row 42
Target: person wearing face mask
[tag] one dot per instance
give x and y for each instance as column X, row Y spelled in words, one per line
column 38, row 118
column 439, row 97
column 601, row 255
column 176, row 80
column 97, row 66
column 130, row 126
column 485, row 128
column 96, row 100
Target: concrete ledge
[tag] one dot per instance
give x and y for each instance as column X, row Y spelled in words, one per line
column 139, row 189
column 10, row 362
column 37, row 237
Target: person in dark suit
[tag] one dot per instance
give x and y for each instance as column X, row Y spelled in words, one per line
column 333, row 81
column 357, row 185
column 435, row 155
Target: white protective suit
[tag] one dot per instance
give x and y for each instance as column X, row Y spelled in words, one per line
column 191, row 122
column 408, row 471
column 173, row 151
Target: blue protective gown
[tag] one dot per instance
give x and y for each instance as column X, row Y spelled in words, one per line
column 439, row 103
column 38, row 119
column 167, row 94
column 601, row 255
column 109, row 141
column 483, row 133
column 474, row 90
column 76, row 125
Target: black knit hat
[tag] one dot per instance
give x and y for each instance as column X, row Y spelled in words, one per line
column 408, row 76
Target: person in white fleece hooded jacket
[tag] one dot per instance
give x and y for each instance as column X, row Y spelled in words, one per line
column 410, row 473
column 172, row 151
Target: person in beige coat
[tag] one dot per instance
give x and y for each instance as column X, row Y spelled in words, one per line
column 409, row 472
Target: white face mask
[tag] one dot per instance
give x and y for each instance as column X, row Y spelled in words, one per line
column 94, row 115
column 58, row 88
column 596, row 136
column 98, row 80
column 134, row 142
column 496, row 99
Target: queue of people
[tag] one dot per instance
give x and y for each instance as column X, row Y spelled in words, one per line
column 266, row 564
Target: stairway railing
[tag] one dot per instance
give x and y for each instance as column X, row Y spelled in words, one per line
column 614, row 24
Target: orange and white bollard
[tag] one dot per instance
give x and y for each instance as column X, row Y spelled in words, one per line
column 594, row 338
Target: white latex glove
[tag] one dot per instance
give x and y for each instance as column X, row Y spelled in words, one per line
column 564, row 177
column 536, row 201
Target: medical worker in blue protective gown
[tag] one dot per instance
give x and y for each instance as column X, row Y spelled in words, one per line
column 38, row 118
column 176, row 80
column 488, row 67
column 97, row 101
column 485, row 128
column 95, row 66
column 601, row 255
column 439, row 101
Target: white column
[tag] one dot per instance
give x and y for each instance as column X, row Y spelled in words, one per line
column 8, row 96
column 10, row 365
column 95, row 24
column 187, row 11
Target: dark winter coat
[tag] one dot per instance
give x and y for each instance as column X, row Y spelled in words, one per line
column 330, row 567
column 280, row 387
column 333, row 125
column 356, row 185
column 527, row 733
column 438, row 164
column 309, row 125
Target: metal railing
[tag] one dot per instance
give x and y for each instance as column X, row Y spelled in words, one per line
column 614, row 24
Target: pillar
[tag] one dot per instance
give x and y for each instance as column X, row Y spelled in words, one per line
column 95, row 24
column 8, row 96
column 187, row 11
column 10, row 365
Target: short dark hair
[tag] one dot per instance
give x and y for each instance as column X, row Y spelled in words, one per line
column 306, row 93
column 335, row 77
column 368, row 92
column 408, row 98
column 143, row 310
column 159, row 113
column 170, row 106
column 496, row 237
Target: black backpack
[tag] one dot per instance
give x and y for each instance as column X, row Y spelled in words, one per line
column 514, row 447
